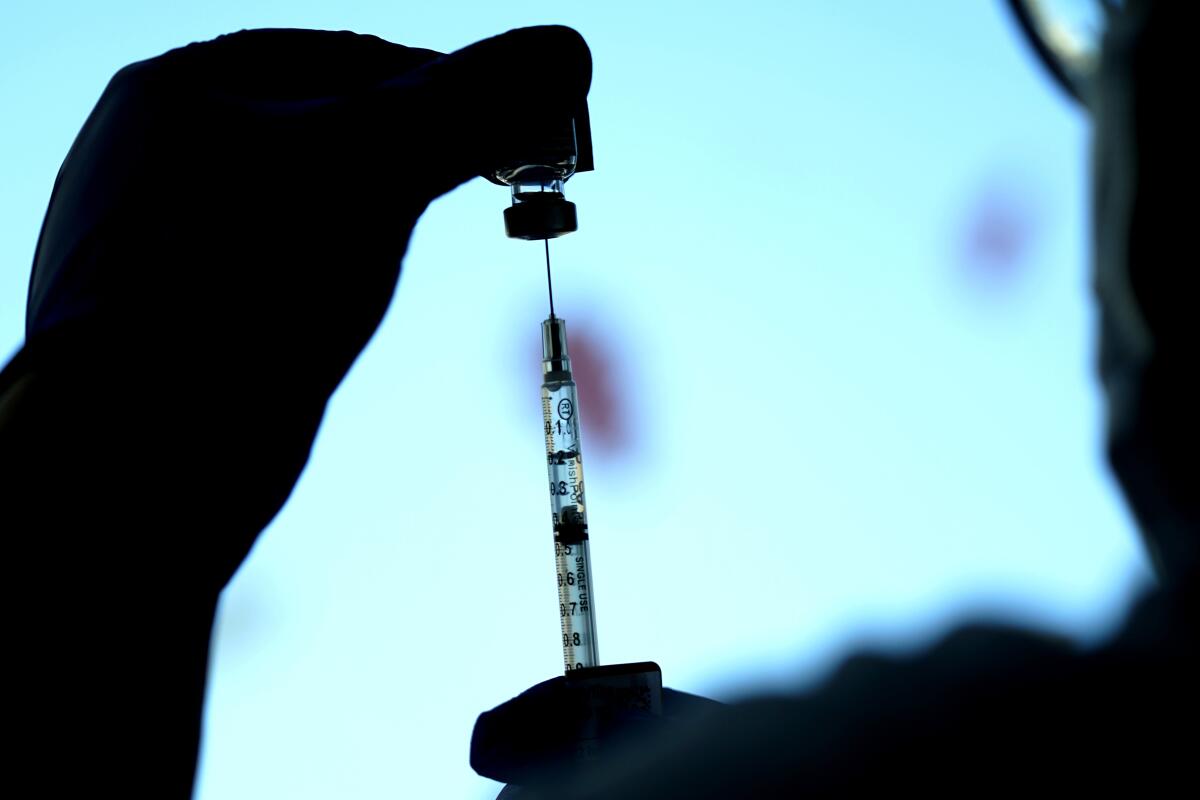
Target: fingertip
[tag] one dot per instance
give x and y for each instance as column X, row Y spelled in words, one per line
column 562, row 46
column 552, row 60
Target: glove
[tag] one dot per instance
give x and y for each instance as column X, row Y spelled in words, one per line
column 226, row 232
column 222, row 240
column 529, row 738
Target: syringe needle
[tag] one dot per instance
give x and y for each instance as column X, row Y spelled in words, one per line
column 549, row 283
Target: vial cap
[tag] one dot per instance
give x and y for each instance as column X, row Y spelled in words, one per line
column 540, row 219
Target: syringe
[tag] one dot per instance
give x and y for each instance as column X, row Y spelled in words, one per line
column 568, row 506
column 552, row 148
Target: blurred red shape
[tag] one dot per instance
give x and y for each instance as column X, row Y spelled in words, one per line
column 605, row 407
column 604, row 410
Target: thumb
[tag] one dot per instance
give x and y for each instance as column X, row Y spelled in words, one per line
column 471, row 111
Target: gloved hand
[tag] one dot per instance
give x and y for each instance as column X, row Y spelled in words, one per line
column 222, row 240
column 528, row 739
column 226, row 233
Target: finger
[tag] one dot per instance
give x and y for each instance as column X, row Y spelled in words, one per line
column 518, row 739
column 467, row 112
column 289, row 64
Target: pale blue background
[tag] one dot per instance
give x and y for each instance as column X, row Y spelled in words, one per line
column 842, row 436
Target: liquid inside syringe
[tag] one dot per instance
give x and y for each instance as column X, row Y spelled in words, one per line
column 568, row 506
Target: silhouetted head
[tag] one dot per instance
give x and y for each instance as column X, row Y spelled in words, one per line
column 1144, row 262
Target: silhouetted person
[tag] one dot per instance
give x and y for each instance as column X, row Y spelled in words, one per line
column 992, row 708
column 223, row 239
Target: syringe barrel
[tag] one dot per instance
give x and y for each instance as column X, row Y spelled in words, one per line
column 568, row 505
